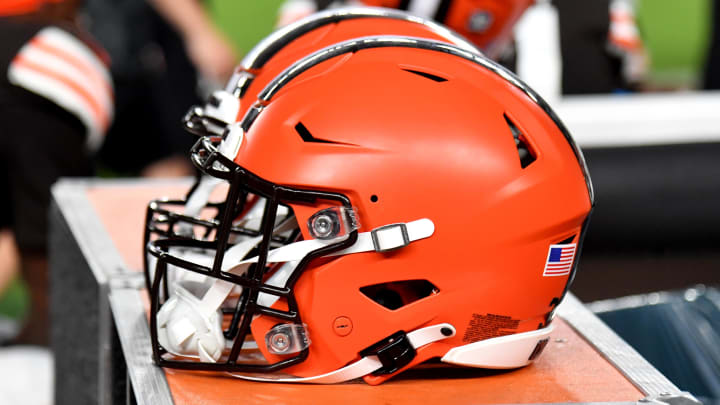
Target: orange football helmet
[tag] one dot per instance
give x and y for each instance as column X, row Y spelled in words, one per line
column 420, row 202
column 486, row 23
column 176, row 219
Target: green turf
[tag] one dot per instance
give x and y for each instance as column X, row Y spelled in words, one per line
column 676, row 35
column 14, row 300
column 245, row 22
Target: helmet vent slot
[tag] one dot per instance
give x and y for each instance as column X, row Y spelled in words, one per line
column 397, row 294
column 525, row 153
column 306, row 135
column 427, row 75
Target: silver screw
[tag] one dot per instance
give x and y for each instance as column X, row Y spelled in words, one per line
column 280, row 342
column 323, row 226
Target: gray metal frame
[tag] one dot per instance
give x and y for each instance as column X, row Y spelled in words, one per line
column 628, row 361
column 148, row 381
column 119, row 291
column 76, row 211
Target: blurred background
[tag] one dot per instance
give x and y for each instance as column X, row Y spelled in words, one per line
column 633, row 80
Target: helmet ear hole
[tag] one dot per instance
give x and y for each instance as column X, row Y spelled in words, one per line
column 390, row 299
column 397, row 294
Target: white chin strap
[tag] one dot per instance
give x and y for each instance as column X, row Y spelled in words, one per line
column 366, row 365
column 200, row 196
column 382, row 239
column 504, row 352
column 188, row 326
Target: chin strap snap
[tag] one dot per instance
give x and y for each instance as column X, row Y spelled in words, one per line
column 384, row 357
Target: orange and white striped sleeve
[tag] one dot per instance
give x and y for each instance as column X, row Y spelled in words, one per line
column 60, row 67
column 624, row 33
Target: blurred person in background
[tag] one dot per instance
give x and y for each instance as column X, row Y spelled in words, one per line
column 625, row 42
column 160, row 50
column 486, row 23
column 557, row 47
column 208, row 49
column 56, row 102
column 602, row 51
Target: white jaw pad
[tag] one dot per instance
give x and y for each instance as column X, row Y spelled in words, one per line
column 184, row 331
column 511, row 351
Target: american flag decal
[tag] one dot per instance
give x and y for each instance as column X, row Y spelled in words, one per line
column 560, row 260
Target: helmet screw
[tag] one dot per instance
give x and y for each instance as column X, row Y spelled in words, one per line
column 323, row 226
column 280, row 342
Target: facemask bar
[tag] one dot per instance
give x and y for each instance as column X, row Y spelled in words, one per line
column 164, row 219
column 207, row 158
column 171, row 219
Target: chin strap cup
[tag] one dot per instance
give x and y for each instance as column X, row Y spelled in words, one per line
column 511, row 351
